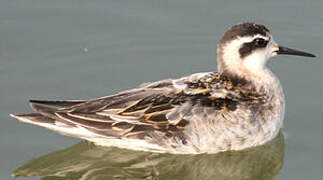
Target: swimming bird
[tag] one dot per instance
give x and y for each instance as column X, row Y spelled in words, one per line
column 239, row 106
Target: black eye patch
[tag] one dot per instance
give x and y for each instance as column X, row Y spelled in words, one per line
column 247, row 48
column 260, row 42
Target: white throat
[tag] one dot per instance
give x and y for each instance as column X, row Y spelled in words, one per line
column 255, row 63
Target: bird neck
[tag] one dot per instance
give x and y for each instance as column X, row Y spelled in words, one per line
column 262, row 81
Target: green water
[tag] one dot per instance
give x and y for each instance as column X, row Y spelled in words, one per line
column 84, row 49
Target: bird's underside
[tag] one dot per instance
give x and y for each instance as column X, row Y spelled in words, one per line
column 201, row 113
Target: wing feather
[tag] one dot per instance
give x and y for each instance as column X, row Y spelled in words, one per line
column 57, row 103
column 162, row 108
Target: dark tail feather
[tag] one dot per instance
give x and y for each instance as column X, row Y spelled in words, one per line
column 57, row 103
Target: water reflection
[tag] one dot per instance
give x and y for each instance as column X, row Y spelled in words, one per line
column 87, row 161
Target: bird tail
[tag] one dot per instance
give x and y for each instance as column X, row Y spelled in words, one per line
column 45, row 117
column 33, row 118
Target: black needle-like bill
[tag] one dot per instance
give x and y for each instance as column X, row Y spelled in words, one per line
column 289, row 51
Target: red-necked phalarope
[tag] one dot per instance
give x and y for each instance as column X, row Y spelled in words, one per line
column 240, row 106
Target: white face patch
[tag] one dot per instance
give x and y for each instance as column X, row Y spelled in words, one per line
column 253, row 62
column 256, row 61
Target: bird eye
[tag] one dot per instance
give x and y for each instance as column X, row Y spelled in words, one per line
column 260, row 42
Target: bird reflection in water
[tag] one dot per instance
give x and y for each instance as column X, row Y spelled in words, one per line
column 87, row 161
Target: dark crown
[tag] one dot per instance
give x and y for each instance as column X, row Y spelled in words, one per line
column 244, row 29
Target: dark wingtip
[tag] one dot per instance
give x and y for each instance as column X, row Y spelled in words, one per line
column 43, row 110
column 37, row 101
column 57, row 103
column 34, row 106
column 313, row 55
